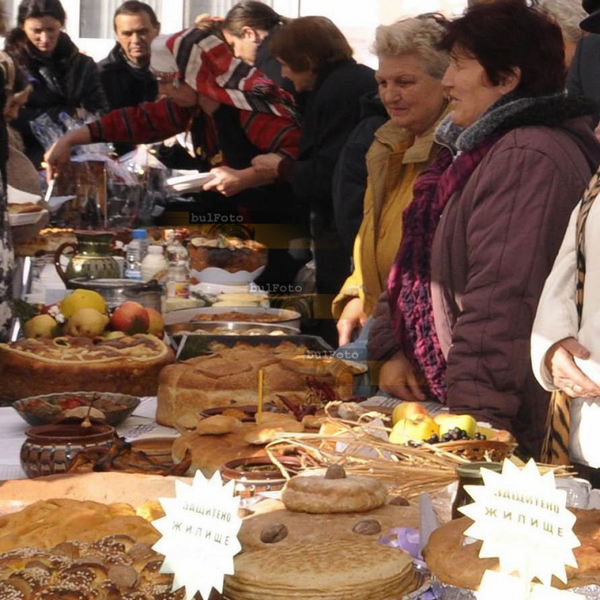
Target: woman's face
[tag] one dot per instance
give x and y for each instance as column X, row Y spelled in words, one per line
column 303, row 81
column 182, row 94
column 43, row 33
column 470, row 91
column 413, row 98
column 244, row 46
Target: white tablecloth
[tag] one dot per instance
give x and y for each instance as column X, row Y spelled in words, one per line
column 140, row 424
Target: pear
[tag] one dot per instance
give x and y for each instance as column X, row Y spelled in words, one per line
column 41, row 326
column 79, row 299
column 86, row 322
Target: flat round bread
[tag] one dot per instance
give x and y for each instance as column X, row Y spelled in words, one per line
column 308, row 529
column 328, row 570
column 316, row 494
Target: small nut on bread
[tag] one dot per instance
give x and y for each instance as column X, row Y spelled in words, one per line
column 335, row 472
column 367, row 527
column 399, row 501
column 273, row 533
column 312, row 421
column 217, row 425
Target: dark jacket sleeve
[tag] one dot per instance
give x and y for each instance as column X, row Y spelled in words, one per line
column 350, row 180
column 93, row 98
column 520, row 208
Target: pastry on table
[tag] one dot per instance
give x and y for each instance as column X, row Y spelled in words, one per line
column 127, row 365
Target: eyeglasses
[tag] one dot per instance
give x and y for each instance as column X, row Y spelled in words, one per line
column 162, row 77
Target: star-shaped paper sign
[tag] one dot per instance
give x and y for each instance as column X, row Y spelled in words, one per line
column 199, row 534
column 522, row 519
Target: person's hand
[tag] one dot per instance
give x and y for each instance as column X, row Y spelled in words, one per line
column 58, row 158
column 566, row 375
column 267, row 163
column 399, row 378
column 227, row 181
column 352, row 317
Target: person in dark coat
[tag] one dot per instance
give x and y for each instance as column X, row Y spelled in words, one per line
column 63, row 79
column 350, row 175
column 316, row 57
column 125, row 72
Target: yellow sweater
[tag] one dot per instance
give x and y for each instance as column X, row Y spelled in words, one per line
column 394, row 161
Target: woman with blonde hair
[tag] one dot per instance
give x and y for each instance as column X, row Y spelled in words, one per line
column 409, row 78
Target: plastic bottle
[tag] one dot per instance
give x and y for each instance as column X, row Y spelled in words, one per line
column 178, row 278
column 136, row 252
column 153, row 263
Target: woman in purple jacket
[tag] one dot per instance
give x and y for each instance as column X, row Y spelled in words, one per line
column 485, row 224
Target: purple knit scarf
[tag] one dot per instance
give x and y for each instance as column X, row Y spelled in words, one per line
column 409, row 289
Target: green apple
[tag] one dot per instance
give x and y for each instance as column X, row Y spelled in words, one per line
column 448, row 421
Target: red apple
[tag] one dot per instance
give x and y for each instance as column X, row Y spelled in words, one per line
column 157, row 324
column 131, row 318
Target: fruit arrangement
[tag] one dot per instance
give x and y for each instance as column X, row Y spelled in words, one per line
column 83, row 313
column 412, row 424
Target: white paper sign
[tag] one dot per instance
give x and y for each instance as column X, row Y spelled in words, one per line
column 522, row 519
column 498, row 586
column 199, row 534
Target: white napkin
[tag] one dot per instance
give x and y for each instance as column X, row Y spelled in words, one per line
column 16, row 196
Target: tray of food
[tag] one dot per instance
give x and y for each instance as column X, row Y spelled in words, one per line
column 199, row 345
column 226, row 314
column 229, row 328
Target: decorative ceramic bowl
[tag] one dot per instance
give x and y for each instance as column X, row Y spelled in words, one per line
column 46, row 409
column 50, row 449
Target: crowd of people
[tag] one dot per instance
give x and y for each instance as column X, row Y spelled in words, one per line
column 449, row 194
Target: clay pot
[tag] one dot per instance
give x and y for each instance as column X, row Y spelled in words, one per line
column 258, row 474
column 50, row 449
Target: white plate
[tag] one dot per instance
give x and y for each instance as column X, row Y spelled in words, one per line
column 222, row 277
column 26, row 218
column 16, row 196
column 189, row 183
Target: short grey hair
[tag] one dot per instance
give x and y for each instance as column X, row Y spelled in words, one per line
column 567, row 13
column 418, row 36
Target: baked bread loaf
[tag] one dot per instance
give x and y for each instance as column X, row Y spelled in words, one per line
column 230, row 378
column 455, row 563
column 116, row 567
column 129, row 365
column 318, row 494
column 230, row 254
column 47, row 523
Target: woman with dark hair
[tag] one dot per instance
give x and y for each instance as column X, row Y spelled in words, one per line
column 316, row 57
column 485, row 224
column 63, row 79
column 248, row 28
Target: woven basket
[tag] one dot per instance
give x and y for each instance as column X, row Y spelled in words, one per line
column 475, row 450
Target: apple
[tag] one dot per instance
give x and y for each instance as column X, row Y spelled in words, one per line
column 157, row 324
column 408, row 410
column 448, row 421
column 131, row 318
column 417, row 429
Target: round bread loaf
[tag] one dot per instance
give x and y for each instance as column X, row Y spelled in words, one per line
column 316, row 494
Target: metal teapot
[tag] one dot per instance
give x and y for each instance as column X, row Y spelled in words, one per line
column 92, row 258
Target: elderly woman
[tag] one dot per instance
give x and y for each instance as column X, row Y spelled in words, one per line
column 410, row 86
column 486, row 221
